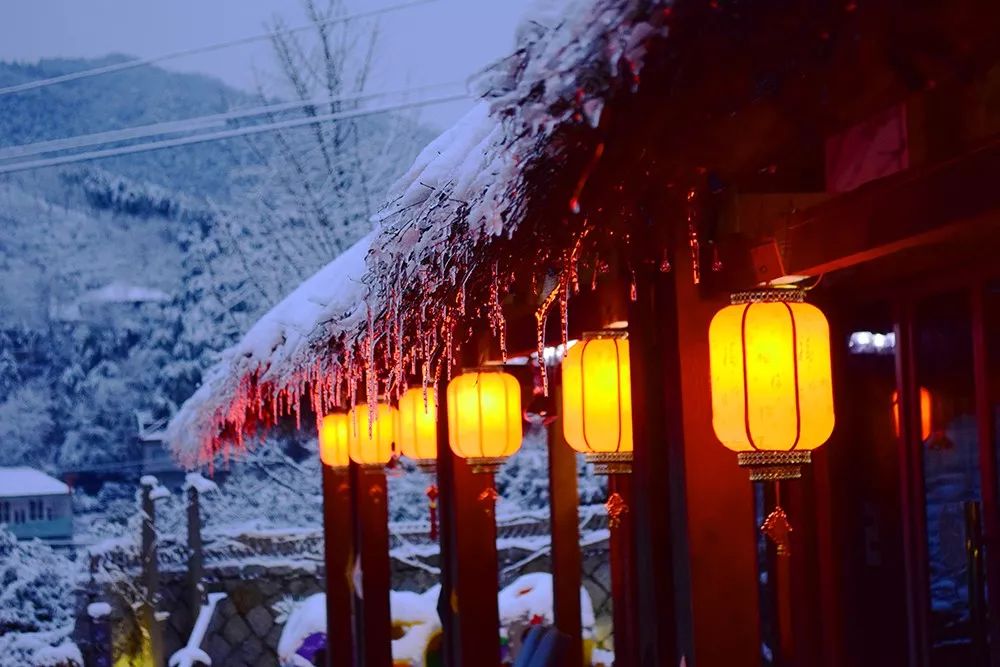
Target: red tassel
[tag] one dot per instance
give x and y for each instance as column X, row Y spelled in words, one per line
column 432, row 496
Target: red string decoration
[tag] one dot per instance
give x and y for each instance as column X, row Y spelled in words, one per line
column 432, row 506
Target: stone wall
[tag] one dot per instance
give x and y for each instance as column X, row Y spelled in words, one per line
column 247, row 624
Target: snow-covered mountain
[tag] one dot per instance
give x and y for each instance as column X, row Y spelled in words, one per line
column 121, row 279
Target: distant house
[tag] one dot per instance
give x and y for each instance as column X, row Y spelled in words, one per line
column 33, row 504
column 156, row 459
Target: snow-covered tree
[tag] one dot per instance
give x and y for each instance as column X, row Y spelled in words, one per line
column 36, row 599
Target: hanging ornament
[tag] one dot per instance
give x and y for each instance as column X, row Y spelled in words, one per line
column 489, row 498
column 432, row 506
column 778, row 530
column 617, row 508
column 716, row 262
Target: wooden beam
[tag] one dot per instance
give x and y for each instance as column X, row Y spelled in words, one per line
column 564, row 520
column 338, row 557
column 914, row 208
column 372, row 537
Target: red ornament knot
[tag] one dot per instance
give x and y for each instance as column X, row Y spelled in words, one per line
column 778, row 530
column 616, row 507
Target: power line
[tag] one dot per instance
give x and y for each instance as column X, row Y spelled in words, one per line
column 139, row 62
column 225, row 134
column 193, row 123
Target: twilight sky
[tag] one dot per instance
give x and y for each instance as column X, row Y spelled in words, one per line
column 442, row 41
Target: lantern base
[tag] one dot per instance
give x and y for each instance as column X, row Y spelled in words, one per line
column 488, row 464
column 428, row 467
column 610, row 463
column 769, row 466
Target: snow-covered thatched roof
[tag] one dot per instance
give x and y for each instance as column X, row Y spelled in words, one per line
column 391, row 305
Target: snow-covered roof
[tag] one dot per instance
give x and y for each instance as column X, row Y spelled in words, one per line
column 395, row 291
column 272, row 351
column 22, row 481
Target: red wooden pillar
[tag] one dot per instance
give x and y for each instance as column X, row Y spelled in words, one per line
column 622, row 565
column 658, row 543
column 338, row 540
column 372, row 539
column 564, row 519
column 469, row 572
column 695, row 550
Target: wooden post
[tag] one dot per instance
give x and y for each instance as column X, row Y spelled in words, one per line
column 447, row 540
column 476, row 566
column 151, row 570
column 564, row 520
column 372, row 531
column 468, row 607
column 912, row 485
column 196, row 555
column 622, row 563
column 338, row 543
column 987, row 462
column 657, row 525
column 695, row 557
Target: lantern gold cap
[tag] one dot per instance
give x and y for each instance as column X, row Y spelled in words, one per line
column 605, row 333
column 770, row 466
column 768, row 295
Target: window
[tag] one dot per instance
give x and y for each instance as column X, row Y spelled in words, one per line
column 33, row 510
column 48, row 512
column 4, row 512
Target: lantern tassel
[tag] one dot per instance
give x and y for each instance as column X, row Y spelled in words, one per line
column 432, row 506
column 616, row 507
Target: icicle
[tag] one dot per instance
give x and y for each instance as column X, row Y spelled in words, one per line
column 665, row 266
column 498, row 322
column 541, row 316
column 693, row 241
column 563, row 313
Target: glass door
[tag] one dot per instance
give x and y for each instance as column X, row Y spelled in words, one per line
column 945, row 429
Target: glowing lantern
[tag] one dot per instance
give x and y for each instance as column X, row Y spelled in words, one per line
column 925, row 413
column 597, row 400
column 371, row 441
column 772, row 395
column 484, row 417
column 333, row 441
column 416, row 426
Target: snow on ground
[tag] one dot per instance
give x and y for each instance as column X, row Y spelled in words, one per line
column 98, row 610
column 23, row 481
column 530, row 595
